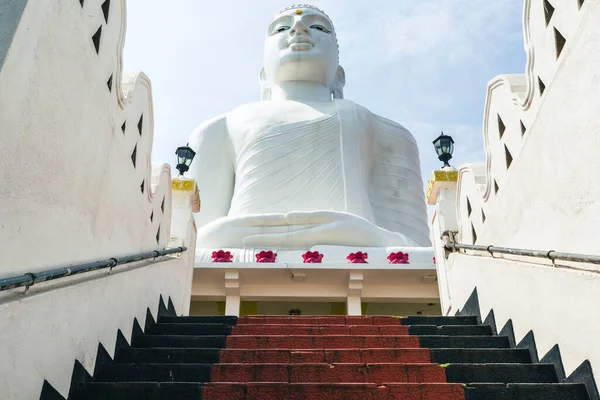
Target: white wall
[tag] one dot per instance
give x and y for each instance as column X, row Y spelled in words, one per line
column 547, row 198
column 44, row 331
column 70, row 191
column 559, row 305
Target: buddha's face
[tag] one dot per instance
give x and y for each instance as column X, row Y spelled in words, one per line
column 301, row 46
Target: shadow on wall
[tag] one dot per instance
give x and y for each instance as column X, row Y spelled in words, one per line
column 582, row 374
column 81, row 375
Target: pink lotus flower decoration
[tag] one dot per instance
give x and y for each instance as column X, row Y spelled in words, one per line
column 435, row 262
column 358, row 258
column 266, row 257
column 398, row 258
column 312, row 257
column 221, row 256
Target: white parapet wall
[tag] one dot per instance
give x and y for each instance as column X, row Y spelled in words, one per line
column 537, row 190
column 77, row 185
column 43, row 332
column 76, row 180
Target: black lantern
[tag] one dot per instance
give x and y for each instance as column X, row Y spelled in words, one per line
column 444, row 147
column 185, row 155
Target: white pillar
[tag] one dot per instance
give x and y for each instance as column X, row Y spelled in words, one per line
column 354, row 302
column 441, row 192
column 232, row 293
column 185, row 201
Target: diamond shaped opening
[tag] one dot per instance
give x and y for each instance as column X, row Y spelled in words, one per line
column 162, row 206
column 124, row 126
column 559, row 41
column 496, row 188
column 474, row 234
column 580, row 3
column 158, row 235
column 96, row 39
column 523, row 129
column 469, row 209
column 81, row 2
column 548, row 11
column 482, row 216
column 141, row 124
column 142, row 186
column 109, row 83
column 133, row 158
column 152, row 216
column 501, row 126
column 106, row 9
column 541, row 85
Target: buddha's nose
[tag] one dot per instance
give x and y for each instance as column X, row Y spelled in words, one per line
column 299, row 28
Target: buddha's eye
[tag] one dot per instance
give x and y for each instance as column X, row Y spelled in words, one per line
column 320, row 28
column 280, row 29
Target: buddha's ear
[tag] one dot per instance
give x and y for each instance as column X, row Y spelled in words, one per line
column 337, row 87
column 265, row 91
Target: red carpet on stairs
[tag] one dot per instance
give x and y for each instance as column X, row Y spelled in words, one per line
column 326, row 358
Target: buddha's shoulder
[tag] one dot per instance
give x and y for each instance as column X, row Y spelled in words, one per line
column 380, row 124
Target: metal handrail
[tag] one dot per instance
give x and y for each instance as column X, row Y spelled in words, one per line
column 551, row 255
column 30, row 279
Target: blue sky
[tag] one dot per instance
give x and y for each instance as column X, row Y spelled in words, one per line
column 422, row 63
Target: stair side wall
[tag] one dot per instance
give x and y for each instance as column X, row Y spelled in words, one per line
column 43, row 333
column 547, row 199
column 70, row 122
column 547, row 196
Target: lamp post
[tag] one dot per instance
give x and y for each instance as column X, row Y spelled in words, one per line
column 185, row 156
column 444, row 147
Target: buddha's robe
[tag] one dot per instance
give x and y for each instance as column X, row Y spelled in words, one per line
column 280, row 157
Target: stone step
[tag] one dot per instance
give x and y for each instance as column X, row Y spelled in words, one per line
column 314, row 342
column 168, row 355
column 189, row 329
column 150, row 372
column 329, row 373
column 278, row 391
column 316, row 320
column 489, row 342
column 501, row 373
column 438, row 320
column 443, row 356
column 138, row 391
column 450, row 330
column 240, row 356
column 432, row 391
column 343, row 391
column 207, row 341
column 524, row 391
column 283, row 329
column 228, row 320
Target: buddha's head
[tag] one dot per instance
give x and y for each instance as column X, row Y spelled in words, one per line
column 301, row 45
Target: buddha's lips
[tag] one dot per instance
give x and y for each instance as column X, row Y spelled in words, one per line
column 300, row 41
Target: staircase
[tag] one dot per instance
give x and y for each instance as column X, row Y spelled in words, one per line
column 325, row 358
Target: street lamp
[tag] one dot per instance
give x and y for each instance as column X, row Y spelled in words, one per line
column 444, row 147
column 185, row 155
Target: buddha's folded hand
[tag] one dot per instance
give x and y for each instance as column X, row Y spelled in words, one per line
column 298, row 230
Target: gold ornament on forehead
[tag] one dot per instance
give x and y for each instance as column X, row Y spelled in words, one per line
column 298, row 12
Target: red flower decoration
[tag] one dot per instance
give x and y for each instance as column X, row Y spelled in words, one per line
column 312, row 257
column 434, row 260
column 398, row 258
column 266, row 257
column 221, row 256
column 358, row 258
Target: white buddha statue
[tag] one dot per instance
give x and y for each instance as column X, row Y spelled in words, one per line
column 304, row 167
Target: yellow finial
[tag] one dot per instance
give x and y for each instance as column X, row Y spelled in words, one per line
column 298, row 12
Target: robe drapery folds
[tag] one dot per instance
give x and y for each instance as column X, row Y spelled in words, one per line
column 352, row 161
